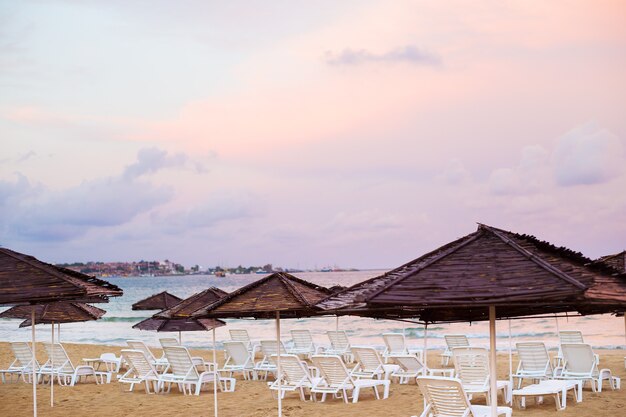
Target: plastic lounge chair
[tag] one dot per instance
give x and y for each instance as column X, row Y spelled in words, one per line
column 552, row 388
column 183, row 372
column 410, row 367
column 472, row 369
column 295, row 376
column 395, row 345
column 161, row 363
column 534, row 362
column 337, row 380
column 172, row 342
column 369, row 364
column 169, row 341
column 579, row 362
column 268, row 348
column 21, row 366
column 238, row 359
column 302, row 343
column 567, row 336
column 59, row 365
column 452, row 341
column 339, row 345
column 140, row 370
column 445, row 397
column 241, row 335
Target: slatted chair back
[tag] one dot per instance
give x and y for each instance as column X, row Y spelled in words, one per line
column 139, row 345
column 533, row 359
column 139, row 362
column 368, row 360
column 456, row 340
column 238, row 353
column 579, row 360
column 395, row 344
column 471, row 365
column 571, row 336
column 270, row 347
column 294, row 371
column 240, row 335
column 23, row 354
column 180, row 362
column 57, row 356
column 333, row 370
column 408, row 363
column 445, row 397
column 338, row 340
column 302, row 340
column 168, row 342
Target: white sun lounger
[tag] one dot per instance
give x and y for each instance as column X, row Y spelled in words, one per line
column 182, row 371
column 472, row 369
column 534, row 362
column 160, row 363
column 410, row 367
column 369, row 365
column 295, row 376
column 140, row 370
column 336, row 380
column 265, row 365
column 110, row 362
column 60, row 366
column 302, row 343
column 395, row 345
column 238, row 359
column 579, row 362
column 241, row 335
column 339, row 345
column 21, row 365
column 452, row 341
column 549, row 388
column 445, row 397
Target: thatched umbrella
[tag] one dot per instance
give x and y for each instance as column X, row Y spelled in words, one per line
column 277, row 295
column 180, row 315
column 178, row 325
column 159, row 301
column 60, row 312
column 617, row 261
column 485, row 275
column 27, row 280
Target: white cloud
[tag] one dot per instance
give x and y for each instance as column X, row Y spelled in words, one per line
column 588, row 155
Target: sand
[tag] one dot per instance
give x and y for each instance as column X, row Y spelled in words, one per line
column 253, row 398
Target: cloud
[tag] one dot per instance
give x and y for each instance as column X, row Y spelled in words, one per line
column 588, row 155
column 455, row 173
column 34, row 213
column 530, row 175
column 151, row 160
column 408, row 54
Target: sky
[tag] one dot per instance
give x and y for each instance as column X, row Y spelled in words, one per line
column 308, row 134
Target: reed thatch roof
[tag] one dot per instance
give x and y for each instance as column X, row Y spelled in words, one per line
column 27, row 280
column 186, row 307
column 61, row 312
column 456, row 282
column 617, row 261
column 178, row 325
column 159, row 301
column 279, row 292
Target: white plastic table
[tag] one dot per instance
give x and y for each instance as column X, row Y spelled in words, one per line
column 555, row 388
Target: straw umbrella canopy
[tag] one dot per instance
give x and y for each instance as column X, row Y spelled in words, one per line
column 159, row 301
column 27, row 280
column 485, row 275
column 185, row 308
column 277, row 295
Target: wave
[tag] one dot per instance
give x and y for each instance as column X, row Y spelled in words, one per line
column 123, row 319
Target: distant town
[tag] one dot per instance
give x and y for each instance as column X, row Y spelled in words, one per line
column 167, row 268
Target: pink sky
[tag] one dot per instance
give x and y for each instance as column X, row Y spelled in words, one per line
column 362, row 134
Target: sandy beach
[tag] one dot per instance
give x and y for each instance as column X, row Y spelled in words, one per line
column 252, row 398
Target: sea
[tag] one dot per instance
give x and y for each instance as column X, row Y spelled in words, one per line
column 601, row 331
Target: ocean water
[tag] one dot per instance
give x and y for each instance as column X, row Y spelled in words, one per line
column 602, row 331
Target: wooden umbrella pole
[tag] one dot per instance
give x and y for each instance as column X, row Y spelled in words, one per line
column 180, row 338
column 217, row 375
column 34, row 361
column 493, row 374
column 278, row 370
column 52, row 368
column 425, row 369
column 510, row 355
column 337, row 324
column 59, row 332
